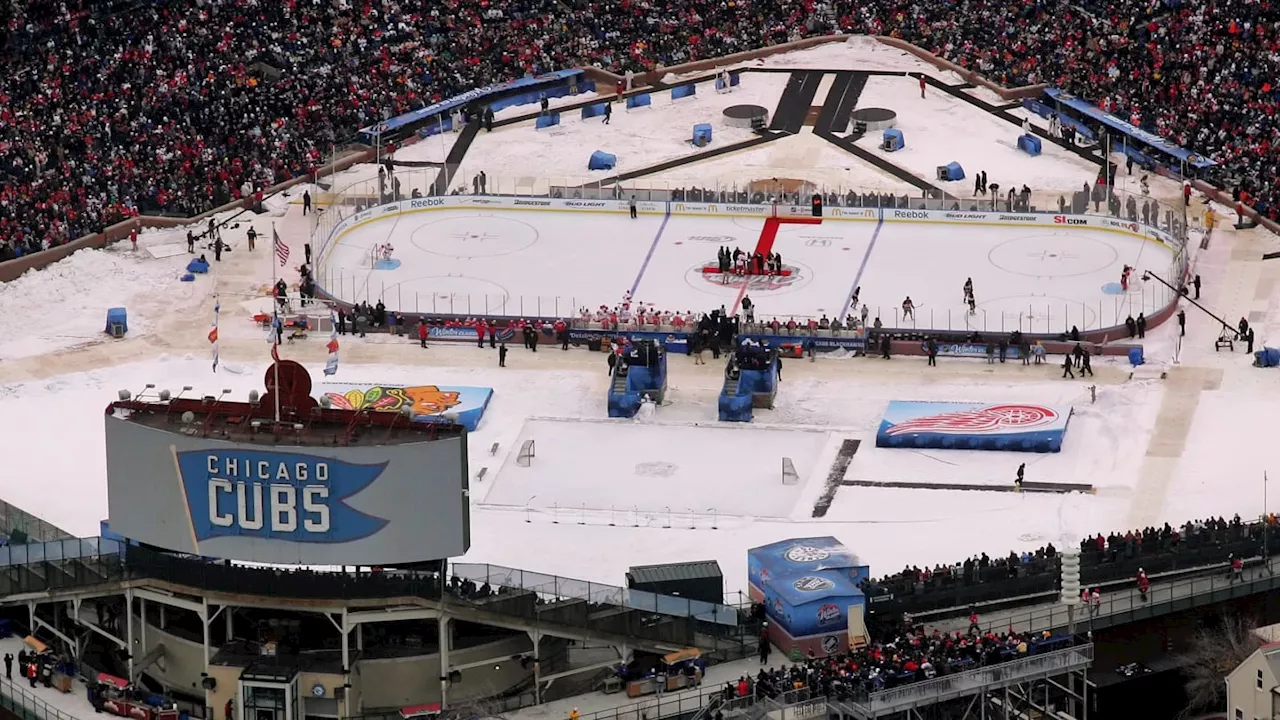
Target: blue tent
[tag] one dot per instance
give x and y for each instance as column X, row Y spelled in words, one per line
column 601, row 160
column 198, row 266
column 546, row 121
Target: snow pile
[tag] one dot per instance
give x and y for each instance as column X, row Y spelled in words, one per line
column 65, row 305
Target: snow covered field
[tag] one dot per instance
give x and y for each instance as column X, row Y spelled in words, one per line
column 1155, row 450
column 989, row 143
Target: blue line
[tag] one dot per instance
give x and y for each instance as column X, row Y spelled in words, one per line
column 857, row 279
column 652, row 248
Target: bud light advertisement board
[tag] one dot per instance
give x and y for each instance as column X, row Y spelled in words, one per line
column 1008, row 427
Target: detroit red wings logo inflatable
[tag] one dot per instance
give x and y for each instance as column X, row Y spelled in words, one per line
column 987, row 419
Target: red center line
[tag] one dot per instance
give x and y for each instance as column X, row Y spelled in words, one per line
column 764, row 246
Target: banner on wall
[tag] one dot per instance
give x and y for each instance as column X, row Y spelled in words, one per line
column 1009, row 427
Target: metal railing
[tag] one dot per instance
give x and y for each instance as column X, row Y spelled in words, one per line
column 352, row 282
column 949, row 687
column 1129, row 603
column 551, row 587
column 14, row 519
column 20, row 702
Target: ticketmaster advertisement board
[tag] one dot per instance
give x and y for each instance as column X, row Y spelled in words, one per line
column 288, row 505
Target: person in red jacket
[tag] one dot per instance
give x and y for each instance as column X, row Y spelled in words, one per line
column 422, row 333
column 921, row 86
column 1143, row 584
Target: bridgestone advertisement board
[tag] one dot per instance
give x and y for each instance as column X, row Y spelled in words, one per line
column 308, row 505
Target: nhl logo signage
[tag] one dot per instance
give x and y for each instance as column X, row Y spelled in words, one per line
column 806, row 554
column 813, row 584
column 275, row 496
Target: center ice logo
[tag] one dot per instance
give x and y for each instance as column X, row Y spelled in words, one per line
column 988, row 419
column 806, row 554
column 276, row 496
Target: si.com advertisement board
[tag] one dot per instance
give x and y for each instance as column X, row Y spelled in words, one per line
column 375, row 505
column 1010, row 427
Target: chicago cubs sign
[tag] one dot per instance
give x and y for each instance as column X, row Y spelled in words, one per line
column 311, row 505
column 276, row 495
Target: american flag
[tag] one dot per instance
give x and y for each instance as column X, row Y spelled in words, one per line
column 213, row 333
column 331, row 365
column 282, row 250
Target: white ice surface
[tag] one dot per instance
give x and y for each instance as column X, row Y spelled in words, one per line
column 649, row 472
column 472, row 262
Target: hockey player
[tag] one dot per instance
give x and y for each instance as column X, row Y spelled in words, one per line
column 1124, row 278
column 908, row 309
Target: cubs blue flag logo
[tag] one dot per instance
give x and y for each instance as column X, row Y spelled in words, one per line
column 276, row 496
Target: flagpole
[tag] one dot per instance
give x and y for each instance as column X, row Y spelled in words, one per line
column 275, row 328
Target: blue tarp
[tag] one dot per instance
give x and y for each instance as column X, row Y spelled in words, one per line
column 601, row 160
column 1135, row 356
column 641, row 100
column 117, row 316
column 444, row 106
column 197, row 266
column 548, row 120
column 954, row 171
column 1029, row 144
column 1126, row 128
column 683, row 91
column 1267, row 357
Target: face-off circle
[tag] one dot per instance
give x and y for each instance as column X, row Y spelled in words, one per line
column 1057, row 256
column 464, row 236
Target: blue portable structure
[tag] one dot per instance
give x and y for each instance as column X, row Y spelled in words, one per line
column 1135, row 356
column 809, row 587
column 702, row 134
column 684, row 91
column 1029, row 144
column 748, row 388
column 1267, row 357
column 593, row 110
column 601, row 160
column 198, row 266
column 117, row 322
column 892, row 140
column 546, row 121
column 641, row 372
column 641, row 100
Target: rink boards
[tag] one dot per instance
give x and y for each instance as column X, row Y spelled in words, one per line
column 483, row 256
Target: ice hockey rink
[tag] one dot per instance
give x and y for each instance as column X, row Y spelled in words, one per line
column 547, row 263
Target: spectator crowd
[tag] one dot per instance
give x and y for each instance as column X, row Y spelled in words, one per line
column 911, row 656
column 1142, row 545
column 111, row 109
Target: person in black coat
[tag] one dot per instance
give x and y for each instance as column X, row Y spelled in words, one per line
column 1131, row 326
column 1086, row 366
column 1142, row 325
